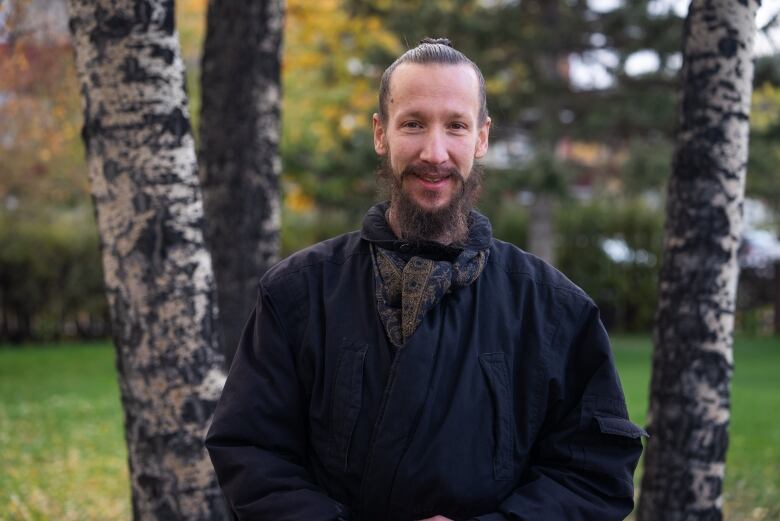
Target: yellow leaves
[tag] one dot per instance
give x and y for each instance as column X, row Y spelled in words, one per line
column 191, row 24
column 585, row 152
column 329, row 93
column 765, row 111
column 297, row 201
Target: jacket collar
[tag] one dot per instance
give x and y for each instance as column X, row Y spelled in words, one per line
column 376, row 230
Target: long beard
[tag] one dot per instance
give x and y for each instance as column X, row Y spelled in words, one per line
column 449, row 223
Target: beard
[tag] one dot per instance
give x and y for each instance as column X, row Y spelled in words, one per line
column 448, row 224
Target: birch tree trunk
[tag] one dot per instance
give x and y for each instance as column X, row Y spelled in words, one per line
column 158, row 274
column 239, row 158
column 692, row 359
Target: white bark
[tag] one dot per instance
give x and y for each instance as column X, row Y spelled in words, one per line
column 692, row 360
column 157, row 270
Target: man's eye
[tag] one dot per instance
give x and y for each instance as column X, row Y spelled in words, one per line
column 412, row 124
column 458, row 126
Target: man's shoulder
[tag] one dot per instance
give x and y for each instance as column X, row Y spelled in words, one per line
column 336, row 250
column 524, row 268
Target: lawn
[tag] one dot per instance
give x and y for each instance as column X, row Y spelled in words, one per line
column 63, row 457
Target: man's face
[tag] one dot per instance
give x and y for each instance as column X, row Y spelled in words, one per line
column 432, row 132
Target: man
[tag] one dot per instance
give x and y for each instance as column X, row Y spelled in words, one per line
column 419, row 368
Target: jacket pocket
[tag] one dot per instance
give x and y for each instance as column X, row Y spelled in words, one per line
column 346, row 402
column 610, row 444
column 496, row 372
column 619, row 427
column 608, row 416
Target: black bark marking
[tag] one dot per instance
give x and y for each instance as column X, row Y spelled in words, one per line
column 151, row 241
column 153, row 485
column 177, row 124
column 169, row 22
column 164, row 53
column 141, row 202
column 712, row 136
column 132, row 71
column 90, row 130
column 694, row 161
column 192, row 412
column 174, row 123
column 110, row 170
column 86, row 131
column 165, row 510
column 728, row 85
column 143, row 14
column 109, row 27
column 728, row 46
column 733, row 98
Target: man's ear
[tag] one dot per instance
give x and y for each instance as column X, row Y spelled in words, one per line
column 482, row 139
column 379, row 135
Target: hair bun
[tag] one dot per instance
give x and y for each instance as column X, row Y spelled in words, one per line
column 436, row 41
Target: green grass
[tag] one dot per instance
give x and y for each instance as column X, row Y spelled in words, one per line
column 752, row 487
column 62, row 451
column 63, row 457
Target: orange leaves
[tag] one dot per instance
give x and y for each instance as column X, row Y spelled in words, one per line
column 191, row 24
column 40, row 149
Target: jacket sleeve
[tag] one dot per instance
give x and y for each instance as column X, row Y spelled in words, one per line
column 257, row 440
column 583, row 462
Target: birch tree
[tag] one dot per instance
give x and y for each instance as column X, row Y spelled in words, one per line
column 692, row 358
column 239, row 157
column 157, row 270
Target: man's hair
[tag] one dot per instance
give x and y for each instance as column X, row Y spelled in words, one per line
column 431, row 51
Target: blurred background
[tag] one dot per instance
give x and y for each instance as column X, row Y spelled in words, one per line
column 583, row 99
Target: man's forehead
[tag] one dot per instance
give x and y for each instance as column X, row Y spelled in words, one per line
column 421, row 73
column 421, row 114
column 456, row 81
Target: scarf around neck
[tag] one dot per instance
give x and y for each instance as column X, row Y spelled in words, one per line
column 407, row 288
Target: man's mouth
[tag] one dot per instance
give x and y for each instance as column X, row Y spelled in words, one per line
column 431, row 177
column 434, row 179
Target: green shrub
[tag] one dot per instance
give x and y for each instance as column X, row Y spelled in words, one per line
column 626, row 291
column 51, row 282
column 300, row 230
column 510, row 223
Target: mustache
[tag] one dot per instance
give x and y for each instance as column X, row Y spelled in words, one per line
column 431, row 170
column 435, row 171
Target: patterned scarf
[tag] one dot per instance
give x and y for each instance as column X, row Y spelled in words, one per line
column 406, row 290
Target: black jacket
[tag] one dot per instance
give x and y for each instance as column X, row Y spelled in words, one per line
column 504, row 404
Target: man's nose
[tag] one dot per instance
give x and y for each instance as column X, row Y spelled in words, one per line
column 435, row 149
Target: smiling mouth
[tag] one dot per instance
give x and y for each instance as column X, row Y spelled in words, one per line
column 434, row 179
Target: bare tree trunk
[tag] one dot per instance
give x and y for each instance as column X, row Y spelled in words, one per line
column 239, row 158
column 692, row 359
column 541, row 230
column 157, row 270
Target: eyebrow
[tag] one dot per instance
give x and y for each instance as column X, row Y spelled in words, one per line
column 421, row 115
